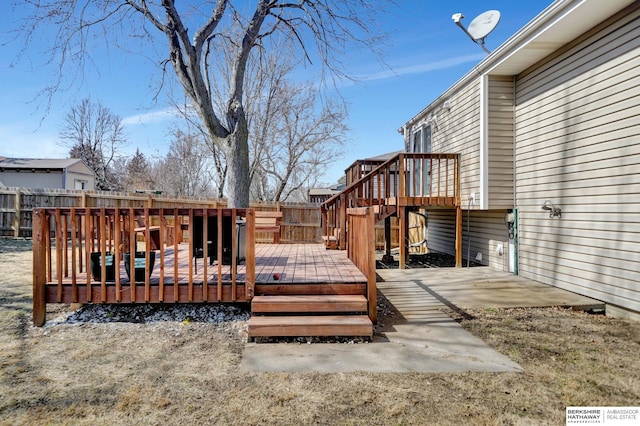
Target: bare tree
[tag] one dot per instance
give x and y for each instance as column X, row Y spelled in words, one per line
column 95, row 134
column 293, row 132
column 185, row 171
column 306, row 141
column 328, row 28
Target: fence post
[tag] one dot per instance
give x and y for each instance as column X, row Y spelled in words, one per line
column 372, row 294
column 39, row 269
column 250, row 253
column 16, row 218
column 342, row 222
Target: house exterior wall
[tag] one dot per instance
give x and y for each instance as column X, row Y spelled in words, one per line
column 500, row 134
column 456, row 129
column 578, row 145
column 29, row 179
column 79, row 172
column 488, row 234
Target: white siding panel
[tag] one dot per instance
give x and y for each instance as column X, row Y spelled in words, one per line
column 488, row 231
column 501, row 131
column 457, row 130
column 578, row 145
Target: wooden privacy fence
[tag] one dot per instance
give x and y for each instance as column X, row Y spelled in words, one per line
column 300, row 222
column 361, row 250
column 83, row 255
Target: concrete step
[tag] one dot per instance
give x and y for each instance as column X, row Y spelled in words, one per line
column 323, row 325
column 309, row 303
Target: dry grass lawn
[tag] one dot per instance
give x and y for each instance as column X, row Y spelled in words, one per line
column 187, row 373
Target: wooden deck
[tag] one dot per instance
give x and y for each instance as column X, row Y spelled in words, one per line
column 275, row 264
column 79, row 258
column 281, row 269
column 304, row 264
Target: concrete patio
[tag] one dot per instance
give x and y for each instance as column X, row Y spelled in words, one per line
column 425, row 339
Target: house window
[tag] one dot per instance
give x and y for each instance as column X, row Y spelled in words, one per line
column 421, row 169
column 421, row 140
column 426, row 139
column 416, row 143
column 80, row 184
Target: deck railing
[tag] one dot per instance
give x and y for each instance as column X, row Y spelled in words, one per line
column 407, row 179
column 78, row 254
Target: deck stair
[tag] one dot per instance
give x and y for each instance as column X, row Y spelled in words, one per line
column 407, row 180
column 309, row 315
column 385, row 211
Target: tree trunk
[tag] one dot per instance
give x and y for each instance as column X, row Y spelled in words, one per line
column 237, row 154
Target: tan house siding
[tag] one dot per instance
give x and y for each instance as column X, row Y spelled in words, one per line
column 456, row 129
column 461, row 134
column 578, row 145
column 488, row 236
column 500, row 141
column 79, row 171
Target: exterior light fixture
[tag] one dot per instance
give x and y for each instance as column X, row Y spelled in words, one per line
column 553, row 210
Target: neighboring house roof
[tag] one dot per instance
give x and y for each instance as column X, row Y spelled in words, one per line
column 40, row 164
column 383, row 157
column 322, row 191
column 380, row 158
column 557, row 25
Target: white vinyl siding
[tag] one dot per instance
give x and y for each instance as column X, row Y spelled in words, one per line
column 488, row 231
column 456, row 129
column 578, row 145
column 79, row 171
column 500, row 143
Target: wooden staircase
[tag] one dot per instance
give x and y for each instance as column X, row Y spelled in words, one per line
column 404, row 181
column 310, row 315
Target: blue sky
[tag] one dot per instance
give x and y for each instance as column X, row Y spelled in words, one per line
column 426, row 53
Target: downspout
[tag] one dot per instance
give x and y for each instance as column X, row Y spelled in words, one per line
column 469, row 231
column 484, row 142
column 516, row 241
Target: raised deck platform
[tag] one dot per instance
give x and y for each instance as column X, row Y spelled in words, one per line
column 294, row 283
column 81, row 255
column 276, row 265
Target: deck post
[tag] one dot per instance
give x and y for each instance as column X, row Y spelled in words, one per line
column 404, row 232
column 250, row 254
column 372, row 294
column 387, row 240
column 458, row 236
column 39, row 269
column 16, row 215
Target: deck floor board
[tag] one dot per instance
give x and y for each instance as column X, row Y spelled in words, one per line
column 275, row 264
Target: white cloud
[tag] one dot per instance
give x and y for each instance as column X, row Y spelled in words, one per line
column 422, row 68
column 151, row 117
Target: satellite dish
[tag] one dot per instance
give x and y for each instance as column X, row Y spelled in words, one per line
column 480, row 27
column 483, row 24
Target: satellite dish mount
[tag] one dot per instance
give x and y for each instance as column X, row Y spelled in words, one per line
column 480, row 27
